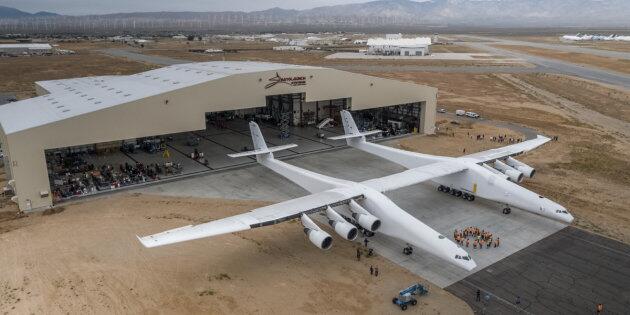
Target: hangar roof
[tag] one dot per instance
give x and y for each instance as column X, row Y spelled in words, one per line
column 399, row 42
column 73, row 97
column 26, row 46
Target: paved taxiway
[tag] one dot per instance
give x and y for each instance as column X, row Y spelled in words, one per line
column 568, row 272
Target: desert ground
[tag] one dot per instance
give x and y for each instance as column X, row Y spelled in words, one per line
column 19, row 74
column 84, row 258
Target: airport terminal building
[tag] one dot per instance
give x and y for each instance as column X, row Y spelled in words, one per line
column 87, row 135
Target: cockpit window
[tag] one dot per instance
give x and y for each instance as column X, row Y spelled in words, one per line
column 541, row 197
column 441, row 237
column 458, row 257
column 466, row 258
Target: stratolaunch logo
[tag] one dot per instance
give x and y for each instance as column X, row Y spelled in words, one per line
column 292, row 81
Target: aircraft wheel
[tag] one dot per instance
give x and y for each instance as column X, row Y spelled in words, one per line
column 471, row 198
column 458, row 193
column 447, row 189
column 507, row 210
column 440, row 188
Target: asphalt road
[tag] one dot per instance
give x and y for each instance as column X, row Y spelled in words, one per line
column 158, row 60
column 568, row 272
column 562, row 67
column 560, row 47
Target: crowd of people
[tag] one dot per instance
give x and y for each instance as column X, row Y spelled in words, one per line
column 499, row 138
column 476, row 237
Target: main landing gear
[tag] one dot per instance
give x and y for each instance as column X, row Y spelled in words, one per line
column 456, row 193
column 507, row 210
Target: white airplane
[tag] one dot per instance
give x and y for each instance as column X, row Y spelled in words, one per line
column 491, row 174
column 361, row 204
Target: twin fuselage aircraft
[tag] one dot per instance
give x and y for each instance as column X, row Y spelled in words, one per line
column 350, row 206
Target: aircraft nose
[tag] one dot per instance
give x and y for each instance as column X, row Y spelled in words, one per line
column 568, row 218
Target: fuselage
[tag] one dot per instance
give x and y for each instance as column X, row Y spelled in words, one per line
column 475, row 180
column 483, row 183
column 395, row 222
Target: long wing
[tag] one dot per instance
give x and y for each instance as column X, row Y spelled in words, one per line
column 414, row 176
column 260, row 217
column 510, row 150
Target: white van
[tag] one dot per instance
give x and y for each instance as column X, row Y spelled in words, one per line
column 460, row 112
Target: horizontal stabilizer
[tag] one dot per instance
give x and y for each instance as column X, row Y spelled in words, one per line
column 263, row 151
column 356, row 135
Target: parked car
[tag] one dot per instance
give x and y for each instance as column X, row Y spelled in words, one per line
column 472, row 115
column 441, row 110
column 460, row 112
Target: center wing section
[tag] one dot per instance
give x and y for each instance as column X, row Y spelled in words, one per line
column 414, row 176
column 510, row 150
column 259, row 217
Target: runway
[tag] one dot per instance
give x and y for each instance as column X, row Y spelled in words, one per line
column 549, row 65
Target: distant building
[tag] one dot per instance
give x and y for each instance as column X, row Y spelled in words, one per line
column 25, row 49
column 393, row 46
column 292, row 48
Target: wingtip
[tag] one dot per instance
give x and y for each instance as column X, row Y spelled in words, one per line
column 142, row 241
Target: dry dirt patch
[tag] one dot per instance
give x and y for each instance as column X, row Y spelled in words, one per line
column 87, row 259
column 19, row 74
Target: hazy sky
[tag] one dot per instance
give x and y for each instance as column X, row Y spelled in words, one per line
column 77, row 7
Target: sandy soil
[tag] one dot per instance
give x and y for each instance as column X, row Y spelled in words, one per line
column 86, row 260
column 459, row 138
column 587, row 170
column 19, row 74
column 619, row 65
column 608, row 101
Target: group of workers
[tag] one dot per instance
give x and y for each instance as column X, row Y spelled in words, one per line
column 499, row 138
column 480, row 238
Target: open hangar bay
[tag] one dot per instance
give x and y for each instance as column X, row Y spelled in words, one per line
column 89, row 135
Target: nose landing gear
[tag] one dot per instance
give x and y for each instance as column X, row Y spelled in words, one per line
column 507, row 210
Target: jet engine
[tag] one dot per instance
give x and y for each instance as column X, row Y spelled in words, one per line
column 513, row 174
column 341, row 226
column 527, row 170
column 364, row 218
column 318, row 237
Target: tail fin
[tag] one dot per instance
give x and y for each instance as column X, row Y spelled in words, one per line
column 260, row 146
column 351, row 129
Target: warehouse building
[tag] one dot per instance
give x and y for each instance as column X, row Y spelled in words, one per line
column 28, row 49
column 398, row 46
column 75, row 124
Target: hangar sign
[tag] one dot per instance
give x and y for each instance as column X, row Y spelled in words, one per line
column 292, row 81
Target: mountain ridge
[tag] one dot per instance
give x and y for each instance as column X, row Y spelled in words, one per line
column 523, row 13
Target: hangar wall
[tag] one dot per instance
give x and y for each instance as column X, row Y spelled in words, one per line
column 183, row 110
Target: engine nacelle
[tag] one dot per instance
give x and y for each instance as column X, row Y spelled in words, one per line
column 364, row 218
column 513, row 174
column 344, row 229
column 318, row 237
column 341, row 226
column 527, row 170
